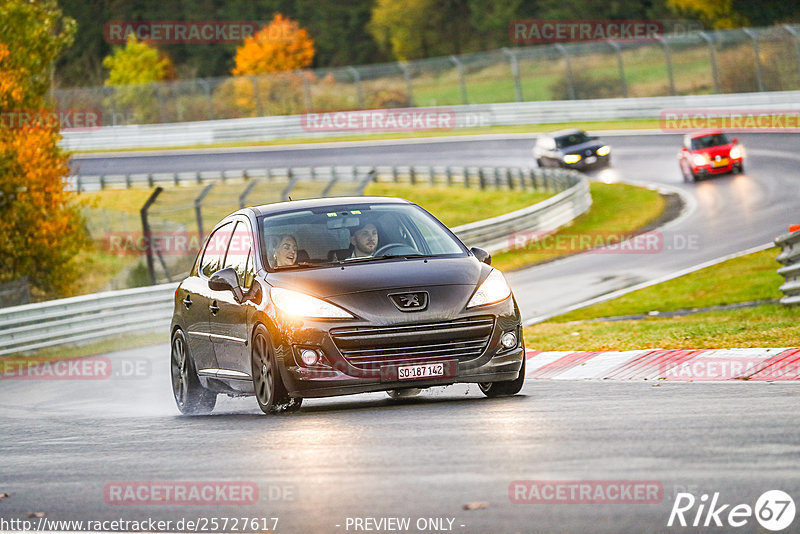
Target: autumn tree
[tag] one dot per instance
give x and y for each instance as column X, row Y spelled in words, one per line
column 130, row 71
column 282, row 45
column 41, row 228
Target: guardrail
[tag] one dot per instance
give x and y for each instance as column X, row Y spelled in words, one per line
column 103, row 315
column 465, row 116
column 790, row 258
column 85, row 318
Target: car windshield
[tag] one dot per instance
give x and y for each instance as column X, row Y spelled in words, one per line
column 572, row 139
column 341, row 234
column 708, row 141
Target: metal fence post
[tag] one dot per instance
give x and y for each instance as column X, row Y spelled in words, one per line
column 210, row 101
column 357, row 80
column 256, row 96
column 759, row 74
column 162, row 109
column 407, row 77
column 412, row 176
column 461, row 81
column 793, row 33
column 712, row 57
column 147, row 234
column 307, row 93
column 621, row 67
column 198, row 208
column 481, row 178
column 431, row 176
column 372, row 176
column 466, row 177
column 292, row 182
column 514, row 63
column 331, row 183
column 568, row 64
column 247, row 190
column 668, row 62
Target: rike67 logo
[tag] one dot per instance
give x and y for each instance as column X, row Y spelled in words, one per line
column 774, row 510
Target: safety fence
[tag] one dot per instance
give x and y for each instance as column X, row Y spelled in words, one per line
column 790, row 258
column 677, row 63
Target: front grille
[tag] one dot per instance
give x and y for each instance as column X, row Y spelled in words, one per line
column 368, row 347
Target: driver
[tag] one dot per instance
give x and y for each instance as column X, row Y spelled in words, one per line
column 364, row 240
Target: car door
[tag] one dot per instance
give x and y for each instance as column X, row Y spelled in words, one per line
column 230, row 319
column 194, row 297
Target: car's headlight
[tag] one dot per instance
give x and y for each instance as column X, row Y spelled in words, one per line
column 302, row 305
column 604, row 150
column 736, row 153
column 700, row 159
column 572, row 158
column 492, row 290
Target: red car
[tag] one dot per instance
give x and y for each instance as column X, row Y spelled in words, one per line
column 709, row 152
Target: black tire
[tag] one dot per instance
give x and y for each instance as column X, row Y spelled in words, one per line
column 190, row 396
column 507, row 387
column 270, row 392
column 539, row 163
column 738, row 169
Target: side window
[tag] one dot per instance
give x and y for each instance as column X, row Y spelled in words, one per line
column 214, row 253
column 239, row 252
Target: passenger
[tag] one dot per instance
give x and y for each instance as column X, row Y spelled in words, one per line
column 286, row 251
column 364, row 240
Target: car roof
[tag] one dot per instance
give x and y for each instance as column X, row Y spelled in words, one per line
column 292, row 205
column 704, row 133
column 568, row 131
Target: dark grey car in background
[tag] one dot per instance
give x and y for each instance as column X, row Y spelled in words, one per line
column 422, row 310
column 571, row 149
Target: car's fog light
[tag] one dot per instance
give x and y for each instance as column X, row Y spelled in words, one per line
column 508, row 340
column 309, row 357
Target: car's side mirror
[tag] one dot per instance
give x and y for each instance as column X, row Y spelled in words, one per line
column 226, row 280
column 735, row 140
column 481, row 255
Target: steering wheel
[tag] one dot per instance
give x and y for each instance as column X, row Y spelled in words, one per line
column 396, row 249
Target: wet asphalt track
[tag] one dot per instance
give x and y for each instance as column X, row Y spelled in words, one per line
column 366, row 456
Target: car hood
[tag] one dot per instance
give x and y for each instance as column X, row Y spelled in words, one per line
column 401, row 274
column 713, row 151
column 581, row 148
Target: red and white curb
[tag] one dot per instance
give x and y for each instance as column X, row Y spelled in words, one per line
column 681, row 365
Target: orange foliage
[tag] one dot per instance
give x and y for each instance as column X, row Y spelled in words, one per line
column 41, row 229
column 280, row 46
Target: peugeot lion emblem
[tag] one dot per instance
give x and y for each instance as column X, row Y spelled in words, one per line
column 415, row 301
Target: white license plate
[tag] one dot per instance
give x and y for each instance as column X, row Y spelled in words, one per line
column 411, row 372
column 590, row 160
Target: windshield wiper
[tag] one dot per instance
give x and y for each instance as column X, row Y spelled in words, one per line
column 298, row 264
column 379, row 258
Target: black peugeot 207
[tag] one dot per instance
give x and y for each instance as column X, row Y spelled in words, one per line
column 325, row 297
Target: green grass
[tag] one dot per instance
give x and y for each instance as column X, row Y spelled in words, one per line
column 745, row 279
column 455, row 206
column 768, row 325
column 617, row 209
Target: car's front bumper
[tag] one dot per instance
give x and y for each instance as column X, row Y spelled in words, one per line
column 339, row 376
column 600, row 161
